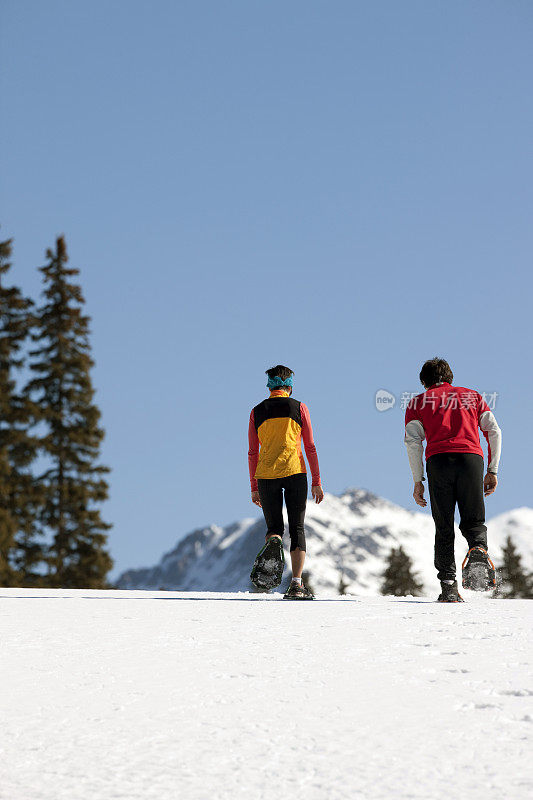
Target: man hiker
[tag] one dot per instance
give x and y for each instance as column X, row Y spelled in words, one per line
column 448, row 418
column 276, row 429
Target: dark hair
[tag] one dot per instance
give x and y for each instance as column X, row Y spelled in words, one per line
column 279, row 372
column 436, row 370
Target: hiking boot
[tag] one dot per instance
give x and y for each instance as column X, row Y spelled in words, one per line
column 479, row 574
column 297, row 591
column 449, row 593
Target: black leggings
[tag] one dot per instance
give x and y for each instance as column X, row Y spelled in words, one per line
column 456, row 478
column 271, row 496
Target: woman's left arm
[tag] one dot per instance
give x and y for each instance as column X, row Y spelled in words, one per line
column 310, row 451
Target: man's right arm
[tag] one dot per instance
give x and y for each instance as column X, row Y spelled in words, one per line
column 414, row 438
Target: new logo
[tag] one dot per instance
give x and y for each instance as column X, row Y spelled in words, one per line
column 384, row 400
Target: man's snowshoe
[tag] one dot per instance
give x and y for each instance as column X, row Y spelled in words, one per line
column 449, row 593
column 269, row 564
column 479, row 574
column 297, row 591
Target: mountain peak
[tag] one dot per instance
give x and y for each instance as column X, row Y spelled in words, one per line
column 349, row 538
column 362, row 501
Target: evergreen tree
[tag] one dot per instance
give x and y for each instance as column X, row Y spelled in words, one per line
column 20, row 553
column 342, row 584
column 307, row 580
column 398, row 577
column 73, row 484
column 513, row 580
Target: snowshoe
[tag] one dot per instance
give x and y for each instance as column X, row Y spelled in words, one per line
column 449, row 593
column 479, row 573
column 297, row 591
column 269, row 564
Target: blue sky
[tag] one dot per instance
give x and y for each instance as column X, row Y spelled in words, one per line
column 343, row 187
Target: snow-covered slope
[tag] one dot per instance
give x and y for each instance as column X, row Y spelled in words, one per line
column 175, row 696
column 348, row 536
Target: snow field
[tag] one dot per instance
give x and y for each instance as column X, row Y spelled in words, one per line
column 193, row 696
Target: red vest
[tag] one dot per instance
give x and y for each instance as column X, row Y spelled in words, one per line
column 450, row 417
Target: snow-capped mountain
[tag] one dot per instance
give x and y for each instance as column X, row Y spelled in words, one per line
column 348, row 536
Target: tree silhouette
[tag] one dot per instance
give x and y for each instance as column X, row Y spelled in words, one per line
column 398, row 577
column 21, row 553
column 73, row 482
column 342, row 584
column 514, row 581
column 306, row 580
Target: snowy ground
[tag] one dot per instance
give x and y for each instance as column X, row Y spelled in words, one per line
column 195, row 696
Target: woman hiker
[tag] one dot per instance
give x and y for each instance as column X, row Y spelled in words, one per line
column 277, row 427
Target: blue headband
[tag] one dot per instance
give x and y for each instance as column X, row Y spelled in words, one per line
column 278, row 383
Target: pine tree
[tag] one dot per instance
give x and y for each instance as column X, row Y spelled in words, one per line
column 342, row 584
column 73, row 484
column 307, row 580
column 398, row 577
column 20, row 553
column 513, row 580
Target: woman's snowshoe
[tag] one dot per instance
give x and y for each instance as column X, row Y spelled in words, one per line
column 269, row 564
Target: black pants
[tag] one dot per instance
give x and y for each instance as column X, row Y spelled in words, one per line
column 456, row 478
column 271, row 496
